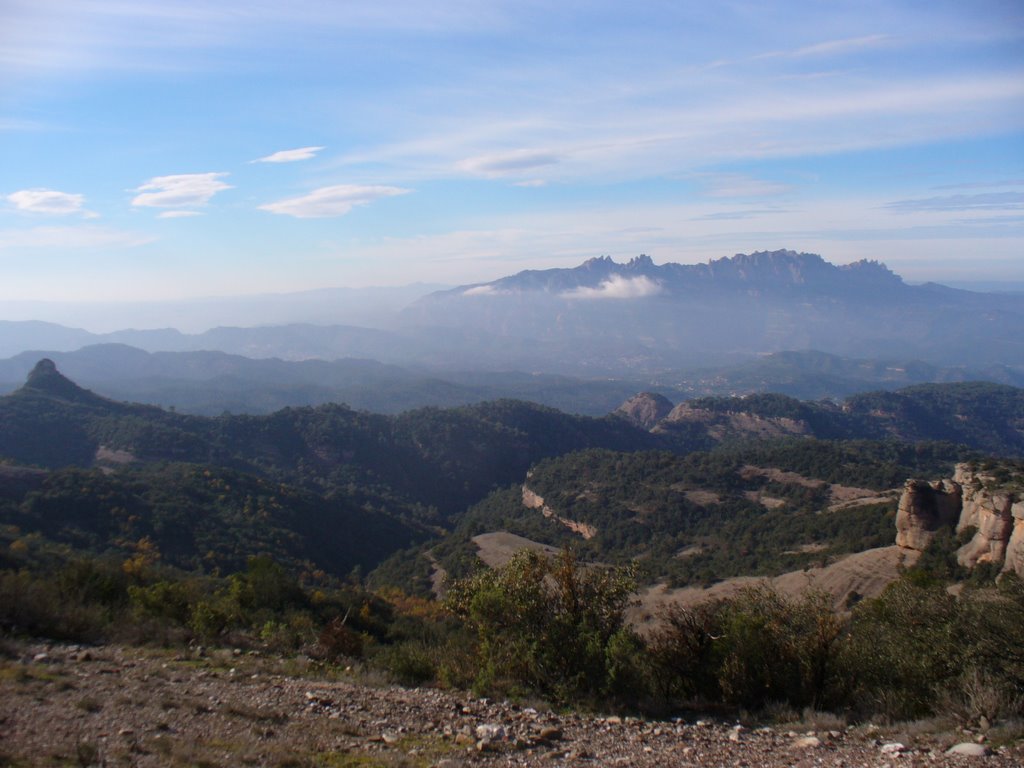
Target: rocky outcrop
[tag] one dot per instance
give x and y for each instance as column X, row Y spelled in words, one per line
column 988, row 508
column 924, row 508
column 1015, row 546
column 646, row 409
column 720, row 425
column 970, row 500
column 532, row 500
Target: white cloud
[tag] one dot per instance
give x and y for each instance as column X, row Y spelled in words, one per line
column 186, row 190
column 979, row 202
column 502, row 163
column 71, row 237
column 531, row 183
column 617, row 287
column 738, row 185
column 331, row 201
column 484, row 290
column 49, row 201
column 831, row 47
column 178, row 214
column 290, row 155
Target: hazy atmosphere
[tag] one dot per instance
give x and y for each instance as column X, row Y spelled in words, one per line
column 488, row 383
column 159, row 150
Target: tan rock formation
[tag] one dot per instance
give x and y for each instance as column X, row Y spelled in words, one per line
column 1015, row 546
column 972, row 500
column 532, row 500
column 923, row 509
column 720, row 425
column 646, row 409
column 989, row 512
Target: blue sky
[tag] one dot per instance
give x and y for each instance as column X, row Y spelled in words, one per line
column 177, row 149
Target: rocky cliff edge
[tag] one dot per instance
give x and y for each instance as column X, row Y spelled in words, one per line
column 972, row 500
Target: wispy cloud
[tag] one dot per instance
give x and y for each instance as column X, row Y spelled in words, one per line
column 186, row 190
column 987, row 201
column 290, row 155
column 71, row 237
column 738, row 215
column 331, row 201
column 178, row 214
column 50, row 202
column 739, row 185
column 830, row 47
column 983, row 184
column 502, row 163
column 681, row 128
column 617, row 287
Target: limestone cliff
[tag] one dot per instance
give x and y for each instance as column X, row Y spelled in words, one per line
column 987, row 508
column 993, row 509
column 924, row 508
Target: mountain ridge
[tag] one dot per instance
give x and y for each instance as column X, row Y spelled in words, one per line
column 761, row 269
column 604, row 319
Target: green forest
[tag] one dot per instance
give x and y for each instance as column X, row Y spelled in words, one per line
column 319, row 531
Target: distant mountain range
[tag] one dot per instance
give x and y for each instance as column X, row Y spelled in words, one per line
column 627, row 321
column 212, row 383
column 640, row 316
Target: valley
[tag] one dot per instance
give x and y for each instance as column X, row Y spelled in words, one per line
column 704, row 545
column 424, row 385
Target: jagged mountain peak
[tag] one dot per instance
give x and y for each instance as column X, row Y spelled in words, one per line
column 872, row 269
column 781, row 269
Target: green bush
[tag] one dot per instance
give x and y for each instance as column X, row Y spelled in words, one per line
column 547, row 625
column 778, row 649
column 917, row 650
column 410, row 663
column 754, row 649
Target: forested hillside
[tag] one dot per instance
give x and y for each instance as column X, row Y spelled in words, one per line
column 756, row 509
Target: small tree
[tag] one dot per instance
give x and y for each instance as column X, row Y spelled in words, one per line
column 549, row 626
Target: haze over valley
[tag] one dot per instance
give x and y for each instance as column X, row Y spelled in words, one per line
column 495, row 383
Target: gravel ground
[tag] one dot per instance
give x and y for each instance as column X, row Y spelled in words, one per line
column 114, row 706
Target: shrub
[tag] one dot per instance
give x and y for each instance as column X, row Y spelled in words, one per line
column 409, row 663
column 904, row 646
column 755, row 649
column 777, row 649
column 546, row 625
column 337, row 641
column 683, row 651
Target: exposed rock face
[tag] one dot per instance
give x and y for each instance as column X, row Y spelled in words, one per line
column 970, row 500
column 720, row 425
column 646, row 409
column 923, row 509
column 532, row 500
column 1015, row 546
column 990, row 512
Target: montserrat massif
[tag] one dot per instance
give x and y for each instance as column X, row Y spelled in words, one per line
column 990, row 504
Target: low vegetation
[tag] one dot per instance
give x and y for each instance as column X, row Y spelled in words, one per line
column 269, row 532
column 554, row 629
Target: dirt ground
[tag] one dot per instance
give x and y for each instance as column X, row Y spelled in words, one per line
column 115, row 706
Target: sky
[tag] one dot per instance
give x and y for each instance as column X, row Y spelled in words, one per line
column 165, row 150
